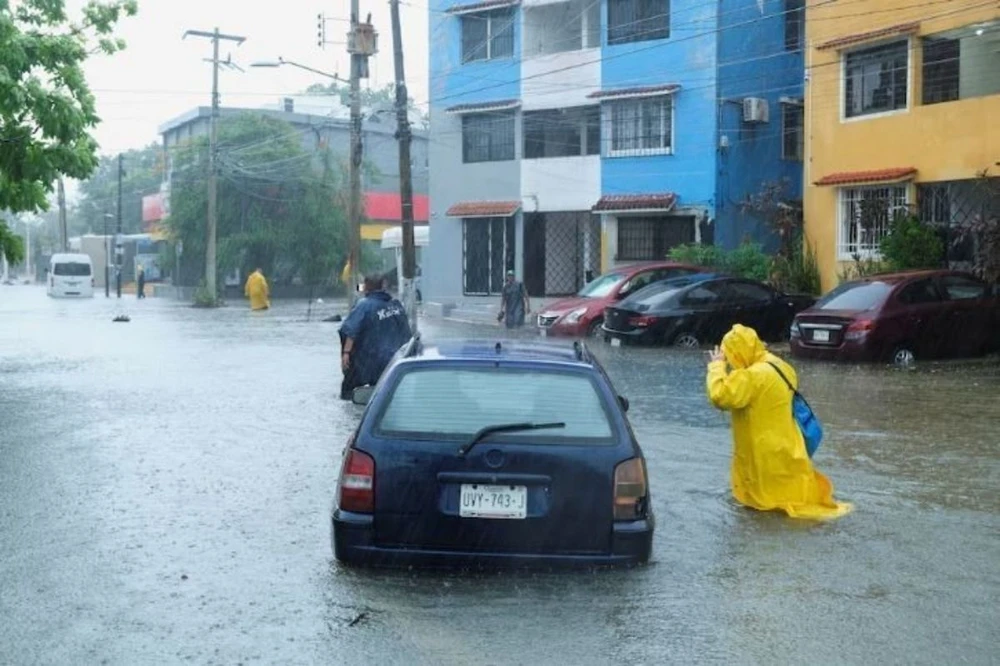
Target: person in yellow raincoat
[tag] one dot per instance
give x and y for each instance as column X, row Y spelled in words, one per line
column 257, row 291
column 770, row 468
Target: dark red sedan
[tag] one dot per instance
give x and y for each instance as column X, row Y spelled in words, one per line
column 901, row 317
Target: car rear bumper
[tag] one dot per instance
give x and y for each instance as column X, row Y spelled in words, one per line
column 353, row 543
column 847, row 351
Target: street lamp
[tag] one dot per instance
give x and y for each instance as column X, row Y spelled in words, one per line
column 107, row 257
column 281, row 61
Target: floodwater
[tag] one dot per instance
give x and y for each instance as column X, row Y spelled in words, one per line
column 165, row 488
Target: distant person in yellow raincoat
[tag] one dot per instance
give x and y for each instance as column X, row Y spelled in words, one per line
column 257, row 291
column 770, row 469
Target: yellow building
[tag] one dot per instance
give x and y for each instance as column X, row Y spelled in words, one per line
column 902, row 110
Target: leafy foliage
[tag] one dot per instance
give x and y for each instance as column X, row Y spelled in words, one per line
column 798, row 273
column 46, row 107
column 11, row 245
column 276, row 211
column 984, row 231
column 374, row 101
column 782, row 215
column 911, row 244
column 747, row 261
column 861, row 267
column 143, row 173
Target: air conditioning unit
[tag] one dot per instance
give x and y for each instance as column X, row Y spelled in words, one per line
column 755, row 110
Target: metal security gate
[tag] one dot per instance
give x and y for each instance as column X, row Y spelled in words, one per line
column 951, row 206
column 488, row 246
column 561, row 250
column 651, row 238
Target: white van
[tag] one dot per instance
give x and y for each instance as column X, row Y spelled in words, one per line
column 71, row 275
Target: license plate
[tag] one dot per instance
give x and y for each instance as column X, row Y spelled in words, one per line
column 819, row 335
column 616, row 342
column 479, row 501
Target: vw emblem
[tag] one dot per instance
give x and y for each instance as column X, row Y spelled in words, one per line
column 495, row 458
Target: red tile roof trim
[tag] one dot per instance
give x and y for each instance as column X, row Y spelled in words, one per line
column 857, row 177
column 484, row 209
column 625, row 202
column 644, row 91
column 481, row 6
column 859, row 38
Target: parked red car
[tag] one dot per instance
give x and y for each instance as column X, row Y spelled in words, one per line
column 901, row 317
column 582, row 315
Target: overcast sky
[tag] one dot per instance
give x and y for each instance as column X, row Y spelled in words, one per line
column 160, row 76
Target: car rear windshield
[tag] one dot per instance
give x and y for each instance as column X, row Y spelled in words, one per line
column 653, row 296
column 455, row 403
column 855, row 296
column 602, row 286
column 72, row 269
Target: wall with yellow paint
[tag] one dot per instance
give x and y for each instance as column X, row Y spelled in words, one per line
column 947, row 141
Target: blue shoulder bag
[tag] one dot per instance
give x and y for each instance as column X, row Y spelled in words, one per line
column 812, row 429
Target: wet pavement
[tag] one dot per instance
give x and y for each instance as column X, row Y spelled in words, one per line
column 165, row 488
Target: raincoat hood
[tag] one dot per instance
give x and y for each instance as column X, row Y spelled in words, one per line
column 742, row 347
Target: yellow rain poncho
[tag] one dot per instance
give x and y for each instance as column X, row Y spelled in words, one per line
column 770, row 469
column 257, row 291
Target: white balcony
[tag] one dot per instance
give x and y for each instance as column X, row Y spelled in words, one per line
column 560, row 80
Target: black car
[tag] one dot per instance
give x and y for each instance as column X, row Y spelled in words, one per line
column 700, row 309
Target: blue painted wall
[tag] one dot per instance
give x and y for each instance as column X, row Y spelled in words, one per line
column 753, row 62
column 687, row 57
column 452, row 82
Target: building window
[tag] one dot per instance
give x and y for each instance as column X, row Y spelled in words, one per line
column 641, row 126
column 561, row 26
column 876, row 79
column 488, row 35
column 795, row 24
column 651, row 238
column 791, row 131
column 960, row 64
column 488, row 137
column 562, row 132
column 638, row 20
column 865, row 217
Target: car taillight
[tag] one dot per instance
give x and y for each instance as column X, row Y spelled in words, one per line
column 859, row 329
column 630, row 490
column 357, row 482
column 641, row 321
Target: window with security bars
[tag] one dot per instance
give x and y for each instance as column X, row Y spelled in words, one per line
column 638, row 20
column 866, row 214
column 795, row 24
column 488, row 35
column 961, row 64
column 562, row 132
column 651, row 238
column 876, row 79
column 642, row 126
column 791, row 131
column 488, row 137
column 952, row 206
column 488, row 252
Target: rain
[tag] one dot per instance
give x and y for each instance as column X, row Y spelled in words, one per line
column 166, row 486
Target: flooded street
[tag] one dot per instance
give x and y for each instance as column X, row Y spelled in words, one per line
column 165, row 489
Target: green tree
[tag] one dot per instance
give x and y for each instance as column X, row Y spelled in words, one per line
column 99, row 194
column 46, row 107
column 381, row 101
column 277, row 210
column 11, row 245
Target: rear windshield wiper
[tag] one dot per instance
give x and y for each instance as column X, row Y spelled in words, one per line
column 505, row 427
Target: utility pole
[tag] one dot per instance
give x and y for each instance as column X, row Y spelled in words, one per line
column 119, row 249
column 211, row 222
column 404, row 136
column 362, row 42
column 63, row 230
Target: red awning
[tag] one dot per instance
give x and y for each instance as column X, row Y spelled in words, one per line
column 633, row 203
column 484, row 209
column 871, row 35
column 643, row 91
column 388, row 207
column 859, row 177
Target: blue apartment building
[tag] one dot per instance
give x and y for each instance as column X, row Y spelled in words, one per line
column 571, row 136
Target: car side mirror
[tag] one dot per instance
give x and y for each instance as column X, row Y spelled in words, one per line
column 623, row 401
column 362, row 395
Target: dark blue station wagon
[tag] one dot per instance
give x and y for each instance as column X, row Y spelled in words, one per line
column 473, row 454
